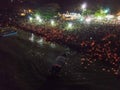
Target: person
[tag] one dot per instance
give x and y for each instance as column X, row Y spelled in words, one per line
column 58, row 64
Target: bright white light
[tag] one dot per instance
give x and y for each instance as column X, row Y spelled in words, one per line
column 88, row 20
column 84, row 5
column 30, row 18
column 52, row 22
column 81, row 19
column 109, row 17
column 32, row 38
column 107, row 10
column 118, row 17
column 38, row 18
column 70, row 25
column 100, row 18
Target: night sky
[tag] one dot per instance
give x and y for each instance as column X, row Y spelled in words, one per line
column 65, row 4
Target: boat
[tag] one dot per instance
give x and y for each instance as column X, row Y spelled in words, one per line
column 7, row 33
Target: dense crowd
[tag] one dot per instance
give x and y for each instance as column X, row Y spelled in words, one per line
column 95, row 42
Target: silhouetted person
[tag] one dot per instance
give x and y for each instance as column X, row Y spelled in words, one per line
column 58, row 64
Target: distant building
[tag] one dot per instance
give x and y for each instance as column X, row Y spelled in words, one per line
column 69, row 16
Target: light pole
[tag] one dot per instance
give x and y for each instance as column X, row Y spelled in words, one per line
column 83, row 7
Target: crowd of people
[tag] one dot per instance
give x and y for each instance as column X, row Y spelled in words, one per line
column 95, row 42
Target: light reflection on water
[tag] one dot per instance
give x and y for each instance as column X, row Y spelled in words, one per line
column 32, row 37
column 41, row 41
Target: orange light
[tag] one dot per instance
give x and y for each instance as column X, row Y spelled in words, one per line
column 22, row 14
column 29, row 10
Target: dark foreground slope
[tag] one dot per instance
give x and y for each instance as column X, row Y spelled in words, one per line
column 25, row 66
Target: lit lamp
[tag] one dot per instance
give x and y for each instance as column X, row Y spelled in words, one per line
column 83, row 7
column 88, row 20
column 30, row 19
column 29, row 10
column 38, row 18
column 22, row 14
column 52, row 22
column 118, row 17
column 69, row 25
